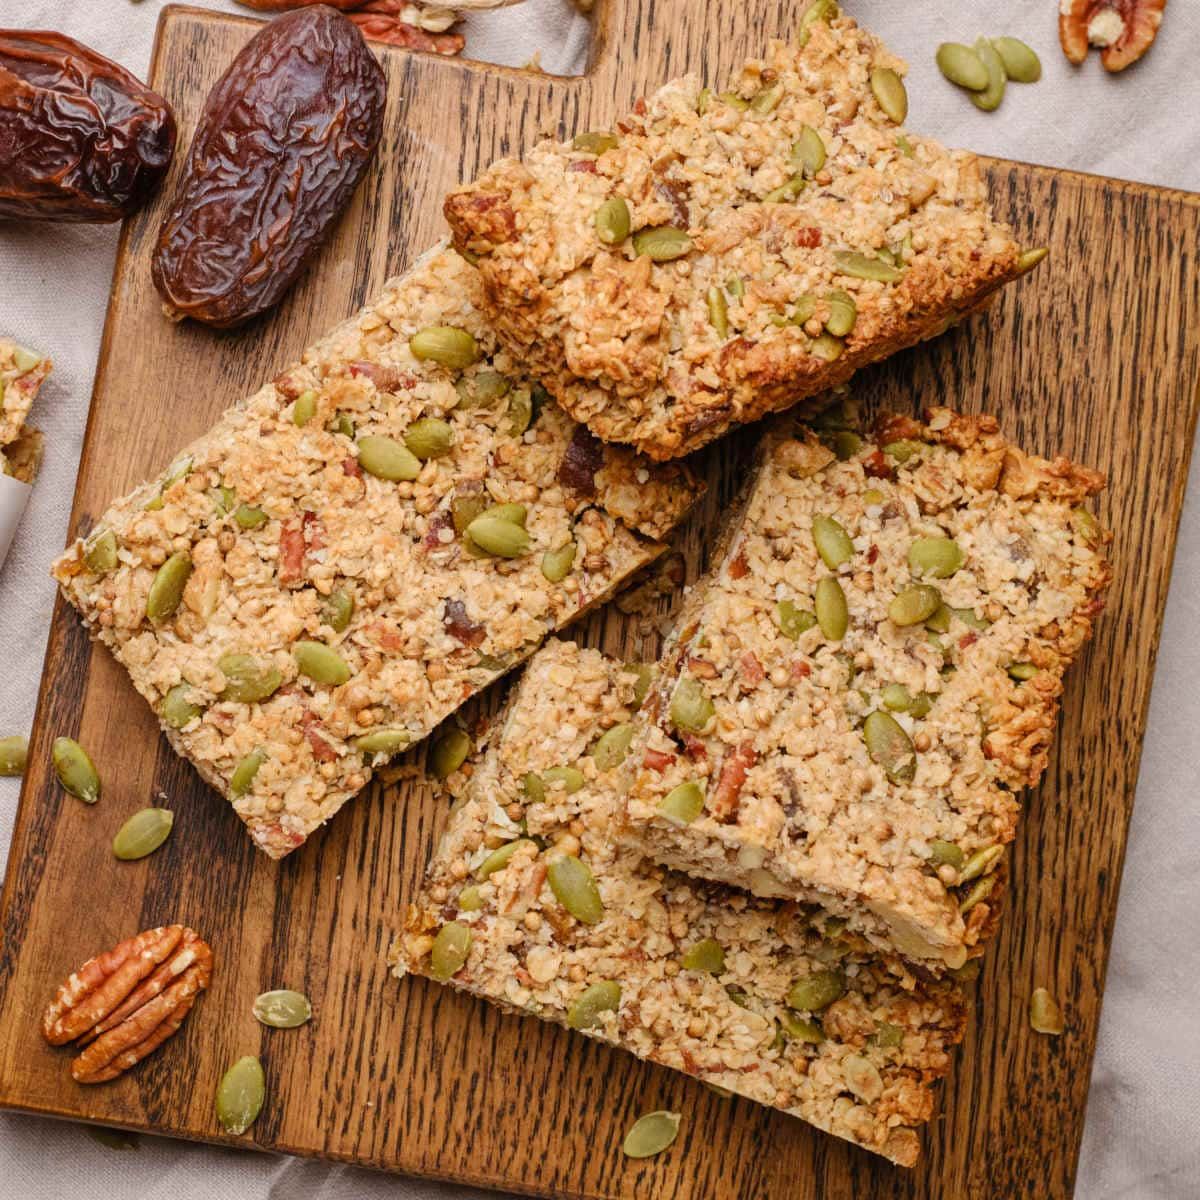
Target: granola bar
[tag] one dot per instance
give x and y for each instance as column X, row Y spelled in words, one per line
column 856, row 695
column 703, row 975
column 22, row 373
column 719, row 257
column 298, row 596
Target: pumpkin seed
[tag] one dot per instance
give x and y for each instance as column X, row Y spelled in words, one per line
column 248, row 517
column 645, row 677
column 940, row 621
column 484, row 387
column 989, row 99
column 661, row 243
column 905, row 146
column 946, row 854
column 1044, row 1014
column 556, row 564
column 1022, row 671
column 888, row 89
column 223, row 499
column 866, row 266
column 176, row 709
column 703, row 100
column 846, row 444
column 469, row 899
column 788, row 190
column 962, row 66
column 833, row 616
column 651, row 1134
column 969, row 619
column 100, row 552
column 1021, row 64
column 978, row 893
column 818, row 10
column 738, row 995
column 342, row 424
column 533, row 788
column 612, row 746
column 25, row 359
column 305, row 408
column 890, row 747
column 386, row 458
column 595, row 142
column 143, row 833
column 282, row 1009
column 809, row 152
column 520, row 411
column 936, row 557
column 613, row 221
column 571, row 778
column 887, row 1036
column 574, row 887
column 902, row 450
column 843, row 313
column 429, row 437
column 796, row 1028
column 594, row 1001
column 691, row 710
column 734, row 101
column 806, row 306
column 445, row 345
column 832, row 541
column 793, row 621
column 240, row 1095
column 167, row 589
column 450, row 950
column 320, row 663
column 704, row 955
column 247, row 680
column 14, row 754
column 75, row 770
column 498, row 859
column 449, row 752
column 337, row 610
column 896, row 697
column 768, row 99
column 383, row 741
column 718, row 311
column 980, row 862
column 683, row 803
column 914, row 604
column 826, row 347
column 1028, row 259
column 816, row 991
column 498, row 537
column 243, row 775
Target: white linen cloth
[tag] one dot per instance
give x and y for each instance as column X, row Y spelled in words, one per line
column 1142, row 1138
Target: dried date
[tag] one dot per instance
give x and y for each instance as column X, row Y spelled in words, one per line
column 282, row 142
column 80, row 138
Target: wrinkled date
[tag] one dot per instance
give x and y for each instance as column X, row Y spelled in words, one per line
column 80, row 138
column 283, row 139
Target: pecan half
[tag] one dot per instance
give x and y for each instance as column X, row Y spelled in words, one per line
column 125, row 1003
column 1125, row 29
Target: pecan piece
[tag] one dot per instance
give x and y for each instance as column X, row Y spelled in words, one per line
column 1125, row 29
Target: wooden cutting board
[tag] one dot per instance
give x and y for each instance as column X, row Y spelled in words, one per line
column 1096, row 356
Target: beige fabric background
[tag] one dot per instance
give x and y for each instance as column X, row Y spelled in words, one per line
column 1142, row 1139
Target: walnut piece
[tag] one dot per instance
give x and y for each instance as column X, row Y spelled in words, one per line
column 1125, row 29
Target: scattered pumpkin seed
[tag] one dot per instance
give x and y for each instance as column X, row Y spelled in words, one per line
column 905, row 146
column 1022, row 671
column 25, row 359
column 282, row 1009
column 866, row 266
column 337, row 610
column 704, row 955
column 320, row 663
column 469, row 899
column 809, row 152
column 788, row 190
column 980, row 862
column 896, row 697
column 940, row 621
column 176, row 709
column 240, row 1095
column 962, row 66
column 498, row 537
column 793, row 621
column 248, row 680
column 846, row 444
column 533, row 788
column 718, row 312
column 703, row 100
column 902, row 450
column 890, row 747
column 1021, row 63
column 818, row 10
column 661, row 243
column 1045, row 1016
column 843, row 313
column 428, row 438
column 243, row 775
column 612, row 746
column 520, row 411
column 143, row 833
column 223, row 498
column 75, row 770
column 691, row 709
column 100, row 552
column 968, row 617
column 832, row 541
column 826, row 347
column 386, row 458
column 305, row 408
column 595, row 142
column 450, row 950
column 651, row 1134
column 14, row 754
column 498, row 859
column 167, row 589
column 734, row 101
column 978, row 893
column 594, row 1001
column 343, row 424
column 556, row 564
column 574, row 887
column 943, row 853
column 816, row 991
column 445, row 345
column 888, row 89
column 449, row 752
column 248, row 517
column 683, row 803
column 484, row 387
column 613, row 221
column 887, row 1036
column 936, row 557
column 914, row 604
column 1029, row 259
column 736, row 287
column 767, row 100
column 833, row 615
column 571, row 778
column 383, row 741
column 989, row 99
column 797, row 1029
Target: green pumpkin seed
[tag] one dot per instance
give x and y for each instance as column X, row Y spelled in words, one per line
column 866, row 266
column 786, row 191
column 969, row 619
column 651, row 1134
column 980, row 863
column 846, row 444
column 915, row 604
column 816, row 991
column 902, row 450
column 962, row 66
column 905, row 146
column 833, row 615
column 247, row 679
column 570, row 778
column 240, row 1095
column 176, row 709
column 768, row 99
column 449, row 752
column 691, row 710
column 248, row 517
column 342, row 424
column 556, row 564
column 533, row 788
column 888, row 89
column 25, row 359
column 803, row 312
column 520, row 411
column 595, row 142
column 645, row 677
column 890, row 747
column 383, row 741
column 498, row 537
column 470, row 900
column 594, row 1001
column 936, row 557
column 718, row 311
column 429, row 437
column 445, row 345
column 736, row 287
column 305, row 408
column 887, row 1036
column 498, row 859
column 337, row 610
column 704, row 955
column 826, row 347
column 613, row 221
column 896, row 697
column 386, row 458
column 1022, row 671
column 242, row 779
column 282, row 1009
column 515, row 514
column 977, row 894
column 574, row 887
column 683, row 803
column 1021, row 64
column 1028, row 259
column 832, row 541
column 100, row 552
column 450, row 950
column 734, row 101
column 14, row 754
column 320, row 663
column 843, row 313
column 989, row 99
column 75, row 770
column 662, row 243
column 946, row 854
column 484, row 387
column 809, row 152
column 940, row 621
column 167, row 589
column 612, row 746
column 223, row 498
column 819, row 10
column 703, row 100
column 793, row 621
column 143, row 833
column 1044, row 1014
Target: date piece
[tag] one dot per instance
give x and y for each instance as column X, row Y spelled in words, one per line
column 282, row 142
column 80, row 138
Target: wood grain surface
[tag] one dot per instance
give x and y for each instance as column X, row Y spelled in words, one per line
column 1096, row 356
